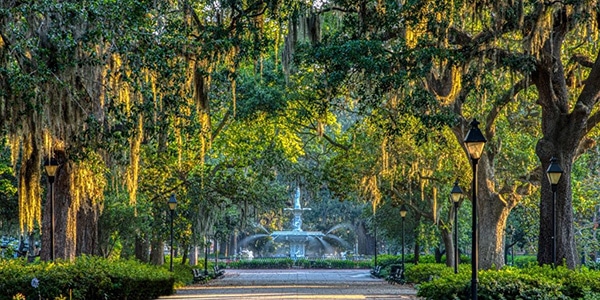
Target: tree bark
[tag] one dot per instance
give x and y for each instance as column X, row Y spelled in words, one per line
column 564, row 128
column 446, row 232
column 87, row 231
column 157, row 256
column 493, row 209
column 141, row 249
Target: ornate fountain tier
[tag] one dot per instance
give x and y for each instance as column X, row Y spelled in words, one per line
column 297, row 238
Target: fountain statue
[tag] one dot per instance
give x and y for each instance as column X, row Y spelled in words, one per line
column 297, row 238
column 297, row 211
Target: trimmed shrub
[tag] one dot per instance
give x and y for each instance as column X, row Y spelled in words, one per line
column 86, row 278
column 286, row 263
column 263, row 263
column 440, row 282
column 426, row 272
column 525, row 261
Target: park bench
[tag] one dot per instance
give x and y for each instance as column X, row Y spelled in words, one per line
column 218, row 271
column 396, row 275
column 376, row 272
column 200, row 275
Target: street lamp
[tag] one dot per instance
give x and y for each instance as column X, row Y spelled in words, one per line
column 375, row 235
column 474, row 142
column 172, row 205
column 205, row 255
column 51, row 166
column 403, row 212
column 554, row 173
column 456, row 194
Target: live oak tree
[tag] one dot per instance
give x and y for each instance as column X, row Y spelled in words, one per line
column 445, row 58
column 93, row 83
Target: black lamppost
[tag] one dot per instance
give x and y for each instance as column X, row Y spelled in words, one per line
column 403, row 212
column 205, row 255
column 51, row 165
column 474, row 142
column 456, row 194
column 554, row 173
column 172, row 205
column 375, row 235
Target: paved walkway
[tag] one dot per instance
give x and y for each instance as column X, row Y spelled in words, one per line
column 295, row 284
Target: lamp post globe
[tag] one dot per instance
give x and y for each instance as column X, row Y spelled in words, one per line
column 172, row 206
column 474, row 142
column 554, row 172
column 455, row 195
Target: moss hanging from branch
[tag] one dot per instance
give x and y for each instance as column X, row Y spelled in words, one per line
column 29, row 190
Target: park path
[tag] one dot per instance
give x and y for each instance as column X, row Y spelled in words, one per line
column 301, row 284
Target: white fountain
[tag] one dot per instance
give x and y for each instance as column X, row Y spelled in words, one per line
column 296, row 238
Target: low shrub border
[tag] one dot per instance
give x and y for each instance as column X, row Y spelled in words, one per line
column 436, row 281
column 86, row 278
column 287, row 263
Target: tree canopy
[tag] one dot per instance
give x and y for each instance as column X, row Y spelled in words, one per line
column 232, row 104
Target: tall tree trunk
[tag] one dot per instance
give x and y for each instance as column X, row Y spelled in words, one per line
column 564, row 128
column 493, row 208
column 417, row 250
column 492, row 222
column 65, row 216
column 141, row 248
column 566, row 251
column 446, row 232
column 194, row 255
column 185, row 254
column 157, row 256
column 87, row 231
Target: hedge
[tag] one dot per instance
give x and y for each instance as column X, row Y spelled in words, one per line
column 86, row 278
column 438, row 282
column 287, row 263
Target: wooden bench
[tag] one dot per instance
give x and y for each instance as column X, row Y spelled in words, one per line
column 199, row 275
column 218, row 271
column 396, row 275
column 376, row 272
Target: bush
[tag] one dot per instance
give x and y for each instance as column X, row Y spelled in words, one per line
column 440, row 282
column 86, row 278
column 574, row 284
column 426, row 272
column 263, row 263
column 286, row 263
column 525, row 261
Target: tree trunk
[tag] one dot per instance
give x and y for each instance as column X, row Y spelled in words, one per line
column 492, row 209
column 75, row 224
column 141, row 249
column 185, row 253
column 157, row 256
column 417, row 252
column 492, row 222
column 446, row 232
column 194, row 256
column 87, row 231
column 65, row 216
column 564, row 128
column 566, row 251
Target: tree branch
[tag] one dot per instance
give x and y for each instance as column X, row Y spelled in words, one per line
column 592, row 122
column 335, row 8
column 591, row 92
column 499, row 105
column 221, row 125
